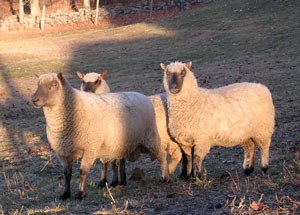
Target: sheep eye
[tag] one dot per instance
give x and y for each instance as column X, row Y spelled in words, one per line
column 183, row 73
column 98, row 82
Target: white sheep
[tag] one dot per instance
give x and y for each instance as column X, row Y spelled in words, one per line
column 95, row 83
column 160, row 107
column 238, row 114
column 84, row 125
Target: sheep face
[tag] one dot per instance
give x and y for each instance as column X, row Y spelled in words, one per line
column 47, row 90
column 174, row 75
column 91, row 81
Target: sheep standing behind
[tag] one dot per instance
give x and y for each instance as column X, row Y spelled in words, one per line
column 160, row 107
column 107, row 127
column 238, row 114
column 95, row 83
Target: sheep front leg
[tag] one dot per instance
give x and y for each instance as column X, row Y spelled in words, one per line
column 103, row 179
column 187, row 163
column 122, row 172
column 67, row 165
column 85, row 167
column 115, row 177
column 200, row 152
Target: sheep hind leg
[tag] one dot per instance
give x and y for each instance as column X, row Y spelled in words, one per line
column 155, row 151
column 84, row 170
column 176, row 155
column 103, row 180
column 249, row 152
column 264, row 148
column 68, row 175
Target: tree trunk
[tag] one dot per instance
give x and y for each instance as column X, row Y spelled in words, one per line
column 21, row 11
column 87, row 4
column 35, row 8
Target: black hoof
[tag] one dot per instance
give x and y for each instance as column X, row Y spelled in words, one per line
column 102, row 184
column 186, row 177
column 265, row 169
column 114, row 183
column 123, row 183
column 166, row 180
column 65, row 196
column 80, row 195
column 248, row 171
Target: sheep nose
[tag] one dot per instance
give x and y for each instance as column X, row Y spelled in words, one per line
column 173, row 86
column 34, row 100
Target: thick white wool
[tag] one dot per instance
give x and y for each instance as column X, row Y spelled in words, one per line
column 238, row 114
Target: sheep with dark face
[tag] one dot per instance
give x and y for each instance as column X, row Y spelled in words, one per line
column 238, row 114
column 107, row 127
column 95, row 83
column 159, row 102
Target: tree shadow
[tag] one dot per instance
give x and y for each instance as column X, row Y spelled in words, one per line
column 20, row 129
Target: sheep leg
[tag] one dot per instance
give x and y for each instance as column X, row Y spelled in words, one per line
column 249, row 151
column 183, row 173
column 122, row 172
column 161, row 155
column 265, row 155
column 200, row 152
column 115, row 178
column 103, row 179
column 187, row 163
column 175, row 152
column 67, row 164
column 85, row 167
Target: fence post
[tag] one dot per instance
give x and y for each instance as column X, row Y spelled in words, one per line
column 97, row 12
column 43, row 18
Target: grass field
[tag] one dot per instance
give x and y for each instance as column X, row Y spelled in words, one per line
column 228, row 41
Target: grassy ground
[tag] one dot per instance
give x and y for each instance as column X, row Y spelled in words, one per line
column 228, row 41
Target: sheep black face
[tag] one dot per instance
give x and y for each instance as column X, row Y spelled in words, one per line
column 92, row 81
column 90, row 86
column 175, row 76
column 47, row 87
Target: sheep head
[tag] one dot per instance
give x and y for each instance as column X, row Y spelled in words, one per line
column 91, row 81
column 47, row 90
column 174, row 75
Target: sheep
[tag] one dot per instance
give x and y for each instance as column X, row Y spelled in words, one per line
column 238, row 114
column 95, row 83
column 84, row 125
column 168, row 145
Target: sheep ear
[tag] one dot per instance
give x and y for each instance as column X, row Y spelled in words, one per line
column 36, row 75
column 79, row 74
column 163, row 66
column 103, row 74
column 60, row 77
column 188, row 64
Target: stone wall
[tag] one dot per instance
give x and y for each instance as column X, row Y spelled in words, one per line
column 60, row 17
